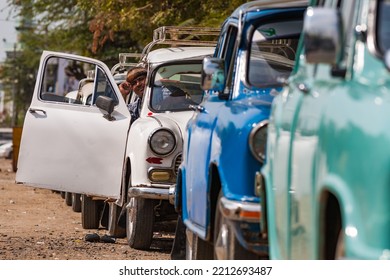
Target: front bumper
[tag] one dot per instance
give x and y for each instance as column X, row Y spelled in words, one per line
column 166, row 192
column 244, row 220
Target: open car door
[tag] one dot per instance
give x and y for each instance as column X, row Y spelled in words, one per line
column 68, row 143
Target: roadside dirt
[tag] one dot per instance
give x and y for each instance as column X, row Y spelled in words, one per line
column 36, row 224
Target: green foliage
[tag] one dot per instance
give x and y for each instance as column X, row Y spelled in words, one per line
column 100, row 29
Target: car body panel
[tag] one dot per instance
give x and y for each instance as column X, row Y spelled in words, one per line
column 62, row 149
column 216, row 151
column 331, row 141
column 74, row 137
column 138, row 151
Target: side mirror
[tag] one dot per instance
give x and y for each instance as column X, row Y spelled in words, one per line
column 213, row 74
column 107, row 104
column 387, row 59
column 322, row 31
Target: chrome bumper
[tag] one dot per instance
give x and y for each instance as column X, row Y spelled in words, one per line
column 244, row 222
column 167, row 193
column 240, row 211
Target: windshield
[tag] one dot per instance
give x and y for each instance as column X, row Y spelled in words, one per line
column 272, row 53
column 383, row 23
column 176, row 86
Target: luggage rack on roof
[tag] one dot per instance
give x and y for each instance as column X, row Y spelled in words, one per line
column 123, row 64
column 170, row 35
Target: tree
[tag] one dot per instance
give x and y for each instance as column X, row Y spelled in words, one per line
column 100, row 29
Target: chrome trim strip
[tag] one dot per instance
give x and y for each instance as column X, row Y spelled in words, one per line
column 231, row 209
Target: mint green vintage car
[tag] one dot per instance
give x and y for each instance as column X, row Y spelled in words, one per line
column 326, row 184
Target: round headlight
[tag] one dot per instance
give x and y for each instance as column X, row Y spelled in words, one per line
column 258, row 141
column 162, row 142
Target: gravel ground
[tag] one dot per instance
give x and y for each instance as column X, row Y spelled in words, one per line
column 36, row 224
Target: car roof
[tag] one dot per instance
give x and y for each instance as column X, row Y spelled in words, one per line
column 181, row 53
column 267, row 4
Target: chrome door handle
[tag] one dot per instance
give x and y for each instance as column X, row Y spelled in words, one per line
column 32, row 110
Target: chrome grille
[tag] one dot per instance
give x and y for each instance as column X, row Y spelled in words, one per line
column 177, row 163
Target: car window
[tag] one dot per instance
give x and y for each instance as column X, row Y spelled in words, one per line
column 64, row 79
column 229, row 54
column 383, row 23
column 272, row 52
column 103, row 87
column 74, row 82
column 176, row 86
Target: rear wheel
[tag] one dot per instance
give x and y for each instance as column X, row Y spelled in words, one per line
column 68, row 198
column 76, row 202
column 140, row 222
column 90, row 214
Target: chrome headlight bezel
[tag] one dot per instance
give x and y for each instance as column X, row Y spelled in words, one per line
column 257, row 149
column 168, row 134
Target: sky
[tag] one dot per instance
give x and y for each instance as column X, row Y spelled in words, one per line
column 8, row 35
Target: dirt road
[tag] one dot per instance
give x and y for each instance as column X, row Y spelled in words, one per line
column 36, row 224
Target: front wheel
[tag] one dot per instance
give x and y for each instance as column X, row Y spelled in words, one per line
column 76, row 202
column 140, row 222
column 68, row 198
column 90, row 214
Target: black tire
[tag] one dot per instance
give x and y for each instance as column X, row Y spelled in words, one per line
column 226, row 245
column 76, row 202
column 68, row 199
column 62, row 194
column 197, row 248
column 139, row 223
column 90, row 214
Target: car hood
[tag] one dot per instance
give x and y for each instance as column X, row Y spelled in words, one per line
column 169, row 119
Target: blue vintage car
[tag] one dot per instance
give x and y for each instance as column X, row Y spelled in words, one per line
column 215, row 192
column 327, row 183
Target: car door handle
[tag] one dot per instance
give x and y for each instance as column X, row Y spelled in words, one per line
column 33, row 111
column 198, row 108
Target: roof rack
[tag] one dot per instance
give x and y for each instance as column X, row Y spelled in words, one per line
column 182, row 36
column 123, row 62
column 173, row 36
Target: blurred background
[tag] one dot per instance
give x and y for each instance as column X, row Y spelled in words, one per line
column 99, row 29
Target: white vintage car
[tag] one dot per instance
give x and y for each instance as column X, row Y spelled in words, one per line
column 90, row 148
